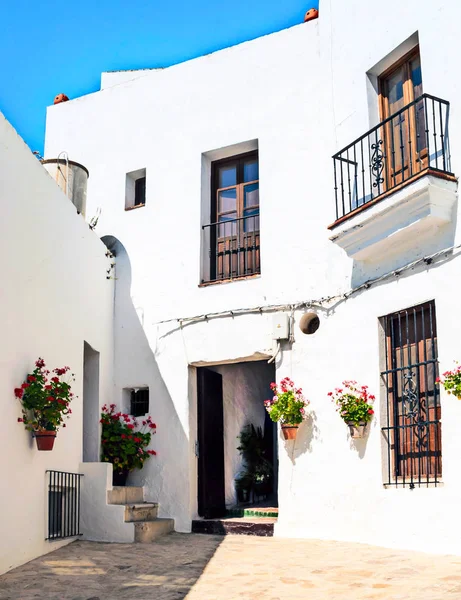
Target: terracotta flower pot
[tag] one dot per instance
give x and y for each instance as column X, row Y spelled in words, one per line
column 45, row 440
column 357, row 430
column 311, row 14
column 290, row 431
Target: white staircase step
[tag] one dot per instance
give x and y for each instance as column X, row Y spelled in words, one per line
column 141, row 512
column 125, row 495
column 149, row 531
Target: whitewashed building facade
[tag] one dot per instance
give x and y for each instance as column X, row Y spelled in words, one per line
column 220, row 199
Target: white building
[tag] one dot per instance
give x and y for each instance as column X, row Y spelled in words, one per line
column 369, row 243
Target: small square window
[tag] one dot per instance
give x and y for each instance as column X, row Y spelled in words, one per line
column 135, row 189
column 139, row 403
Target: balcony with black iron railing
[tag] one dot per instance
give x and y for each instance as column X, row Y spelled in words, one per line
column 410, row 143
column 232, row 247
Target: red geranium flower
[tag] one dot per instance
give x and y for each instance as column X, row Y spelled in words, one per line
column 130, row 426
column 31, row 378
column 18, row 392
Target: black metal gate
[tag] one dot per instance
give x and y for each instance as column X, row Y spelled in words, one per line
column 63, row 505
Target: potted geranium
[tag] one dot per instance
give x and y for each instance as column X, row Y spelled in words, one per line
column 288, row 406
column 122, row 444
column 355, row 406
column 45, row 399
column 451, row 381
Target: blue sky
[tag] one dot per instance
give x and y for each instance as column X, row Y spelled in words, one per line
column 55, row 46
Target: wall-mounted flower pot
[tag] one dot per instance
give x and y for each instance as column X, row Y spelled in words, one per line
column 45, row 440
column 290, row 431
column 357, row 430
column 119, row 477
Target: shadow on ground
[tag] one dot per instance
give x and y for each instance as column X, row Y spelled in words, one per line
column 165, row 570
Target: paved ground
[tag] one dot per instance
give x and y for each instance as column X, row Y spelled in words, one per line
column 201, row 567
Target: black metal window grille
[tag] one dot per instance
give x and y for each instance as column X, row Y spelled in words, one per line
column 63, row 505
column 140, row 191
column 413, row 429
column 139, row 405
column 408, row 142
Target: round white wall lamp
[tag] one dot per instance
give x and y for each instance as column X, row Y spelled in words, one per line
column 309, row 323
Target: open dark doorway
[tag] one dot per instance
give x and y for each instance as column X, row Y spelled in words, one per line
column 231, row 411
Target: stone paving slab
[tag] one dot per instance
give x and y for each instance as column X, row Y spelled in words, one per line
column 201, row 567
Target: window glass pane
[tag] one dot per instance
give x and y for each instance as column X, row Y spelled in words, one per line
column 251, row 221
column 228, row 225
column 251, row 195
column 250, row 170
column 227, row 176
column 416, row 77
column 227, row 200
column 395, row 91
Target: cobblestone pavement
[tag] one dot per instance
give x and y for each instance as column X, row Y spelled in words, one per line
column 202, row 567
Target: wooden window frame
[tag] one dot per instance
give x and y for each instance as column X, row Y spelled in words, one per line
column 384, row 111
column 240, row 209
column 215, row 166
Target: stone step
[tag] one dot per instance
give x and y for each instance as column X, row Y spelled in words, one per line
column 146, row 511
column 263, row 527
column 125, row 495
column 256, row 513
column 149, row 531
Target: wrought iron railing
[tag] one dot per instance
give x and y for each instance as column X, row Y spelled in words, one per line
column 233, row 248
column 63, row 505
column 412, row 419
column 408, row 142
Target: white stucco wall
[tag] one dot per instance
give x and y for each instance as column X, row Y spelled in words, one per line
column 245, row 387
column 309, row 91
column 54, row 296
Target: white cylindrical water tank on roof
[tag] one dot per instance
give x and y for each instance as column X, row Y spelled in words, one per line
column 72, row 178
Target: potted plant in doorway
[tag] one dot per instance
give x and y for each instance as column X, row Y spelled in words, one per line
column 355, row 406
column 257, row 470
column 122, row 444
column 45, row 397
column 288, row 406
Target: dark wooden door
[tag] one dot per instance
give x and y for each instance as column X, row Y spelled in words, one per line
column 414, row 409
column 211, row 498
column 405, row 134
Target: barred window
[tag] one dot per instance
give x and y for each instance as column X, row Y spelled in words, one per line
column 412, row 428
column 139, row 405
